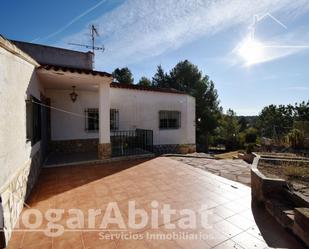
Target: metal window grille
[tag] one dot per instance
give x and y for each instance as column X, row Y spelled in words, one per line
column 114, row 116
column 33, row 120
column 169, row 119
column 92, row 119
column 131, row 142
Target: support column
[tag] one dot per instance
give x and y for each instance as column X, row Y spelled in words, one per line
column 104, row 147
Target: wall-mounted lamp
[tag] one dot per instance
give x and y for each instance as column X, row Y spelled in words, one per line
column 73, row 94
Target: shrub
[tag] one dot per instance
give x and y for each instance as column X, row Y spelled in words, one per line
column 251, row 135
column 250, row 148
column 296, row 138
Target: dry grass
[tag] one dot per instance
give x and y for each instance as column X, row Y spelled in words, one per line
column 274, row 154
column 228, row 155
column 293, row 171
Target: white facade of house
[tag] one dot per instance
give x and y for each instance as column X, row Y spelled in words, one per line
column 23, row 80
column 18, row 80
column 137, row 109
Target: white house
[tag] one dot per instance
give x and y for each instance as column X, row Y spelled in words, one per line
column 53, row 101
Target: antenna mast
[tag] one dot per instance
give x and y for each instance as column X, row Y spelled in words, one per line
column 94, row 32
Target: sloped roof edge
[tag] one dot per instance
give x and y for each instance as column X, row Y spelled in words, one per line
column 10, row 47
column 75, row 70
column 146, row 88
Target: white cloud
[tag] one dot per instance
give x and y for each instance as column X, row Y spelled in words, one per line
column 138, row 29
column 298, row 88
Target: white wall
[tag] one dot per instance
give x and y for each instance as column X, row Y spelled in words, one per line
column 140, row 109
column 137, row 109
column 66, row 126
column 17, row 79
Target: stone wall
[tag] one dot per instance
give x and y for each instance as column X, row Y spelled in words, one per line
column 76, row 145
column 14, row 195
column 174, row 148
column 289, row 208
column 90, row 145
column 104, row 151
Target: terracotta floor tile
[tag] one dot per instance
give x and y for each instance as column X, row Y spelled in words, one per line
column 255, row 231
column 16, row 240
column 229, row 244
column 240, row 221
column 42, row 240
column 209, row 218
column 69, row 240
column 38, row 246
column 235, row 207
column 248, row 241
column 164, row 245
column 95, row 239
column 132, row 244
column 152, row 237
column 162, row 179
column 223, row 212
column 248, row 215
column 212, row 237
column 227, row 228
column 189, row 244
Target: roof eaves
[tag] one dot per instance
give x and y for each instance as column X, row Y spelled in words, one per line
column 75, row 70
column 146, row 88
column 12, row 48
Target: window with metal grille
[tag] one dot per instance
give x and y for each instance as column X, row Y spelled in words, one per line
column 114, row 116
column 33, row 120
column 92, row 119
column 169, row 120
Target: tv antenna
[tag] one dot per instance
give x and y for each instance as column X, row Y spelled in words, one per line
column 94, row 33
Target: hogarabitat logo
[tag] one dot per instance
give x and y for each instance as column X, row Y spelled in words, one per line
column 54, row 222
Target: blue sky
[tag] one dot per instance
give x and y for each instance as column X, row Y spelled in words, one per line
column 250, row 71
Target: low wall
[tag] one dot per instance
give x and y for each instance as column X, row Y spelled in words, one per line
column 14, row 195
column 88, row 145
column 174, row 148
column 76, row 145
column 287, row 207
column 263, row 187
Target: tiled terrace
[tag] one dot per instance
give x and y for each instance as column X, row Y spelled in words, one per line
column 232, row 222
column 233, row 169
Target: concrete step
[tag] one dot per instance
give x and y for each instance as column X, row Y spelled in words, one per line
column 283, row 213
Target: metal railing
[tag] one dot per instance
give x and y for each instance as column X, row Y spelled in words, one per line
column 131, row 142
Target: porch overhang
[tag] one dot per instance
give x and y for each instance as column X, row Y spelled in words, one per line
column 64, row 78
column 59, row 77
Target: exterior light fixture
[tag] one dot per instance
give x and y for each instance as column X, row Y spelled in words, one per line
column 73, row 94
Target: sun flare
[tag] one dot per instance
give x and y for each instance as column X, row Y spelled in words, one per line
column 251, row 51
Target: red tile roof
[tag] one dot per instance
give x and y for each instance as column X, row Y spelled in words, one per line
column 114, row 84
column 145, row 88
column 74, row 70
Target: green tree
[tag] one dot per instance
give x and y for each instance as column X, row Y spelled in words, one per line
column 228, row 130
column 301, row 111
column 243, row 123
column 251, row 134
column 123, row 75
column 161, row 79
column 144, row 81
column 275, row 121
column 186, row 77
